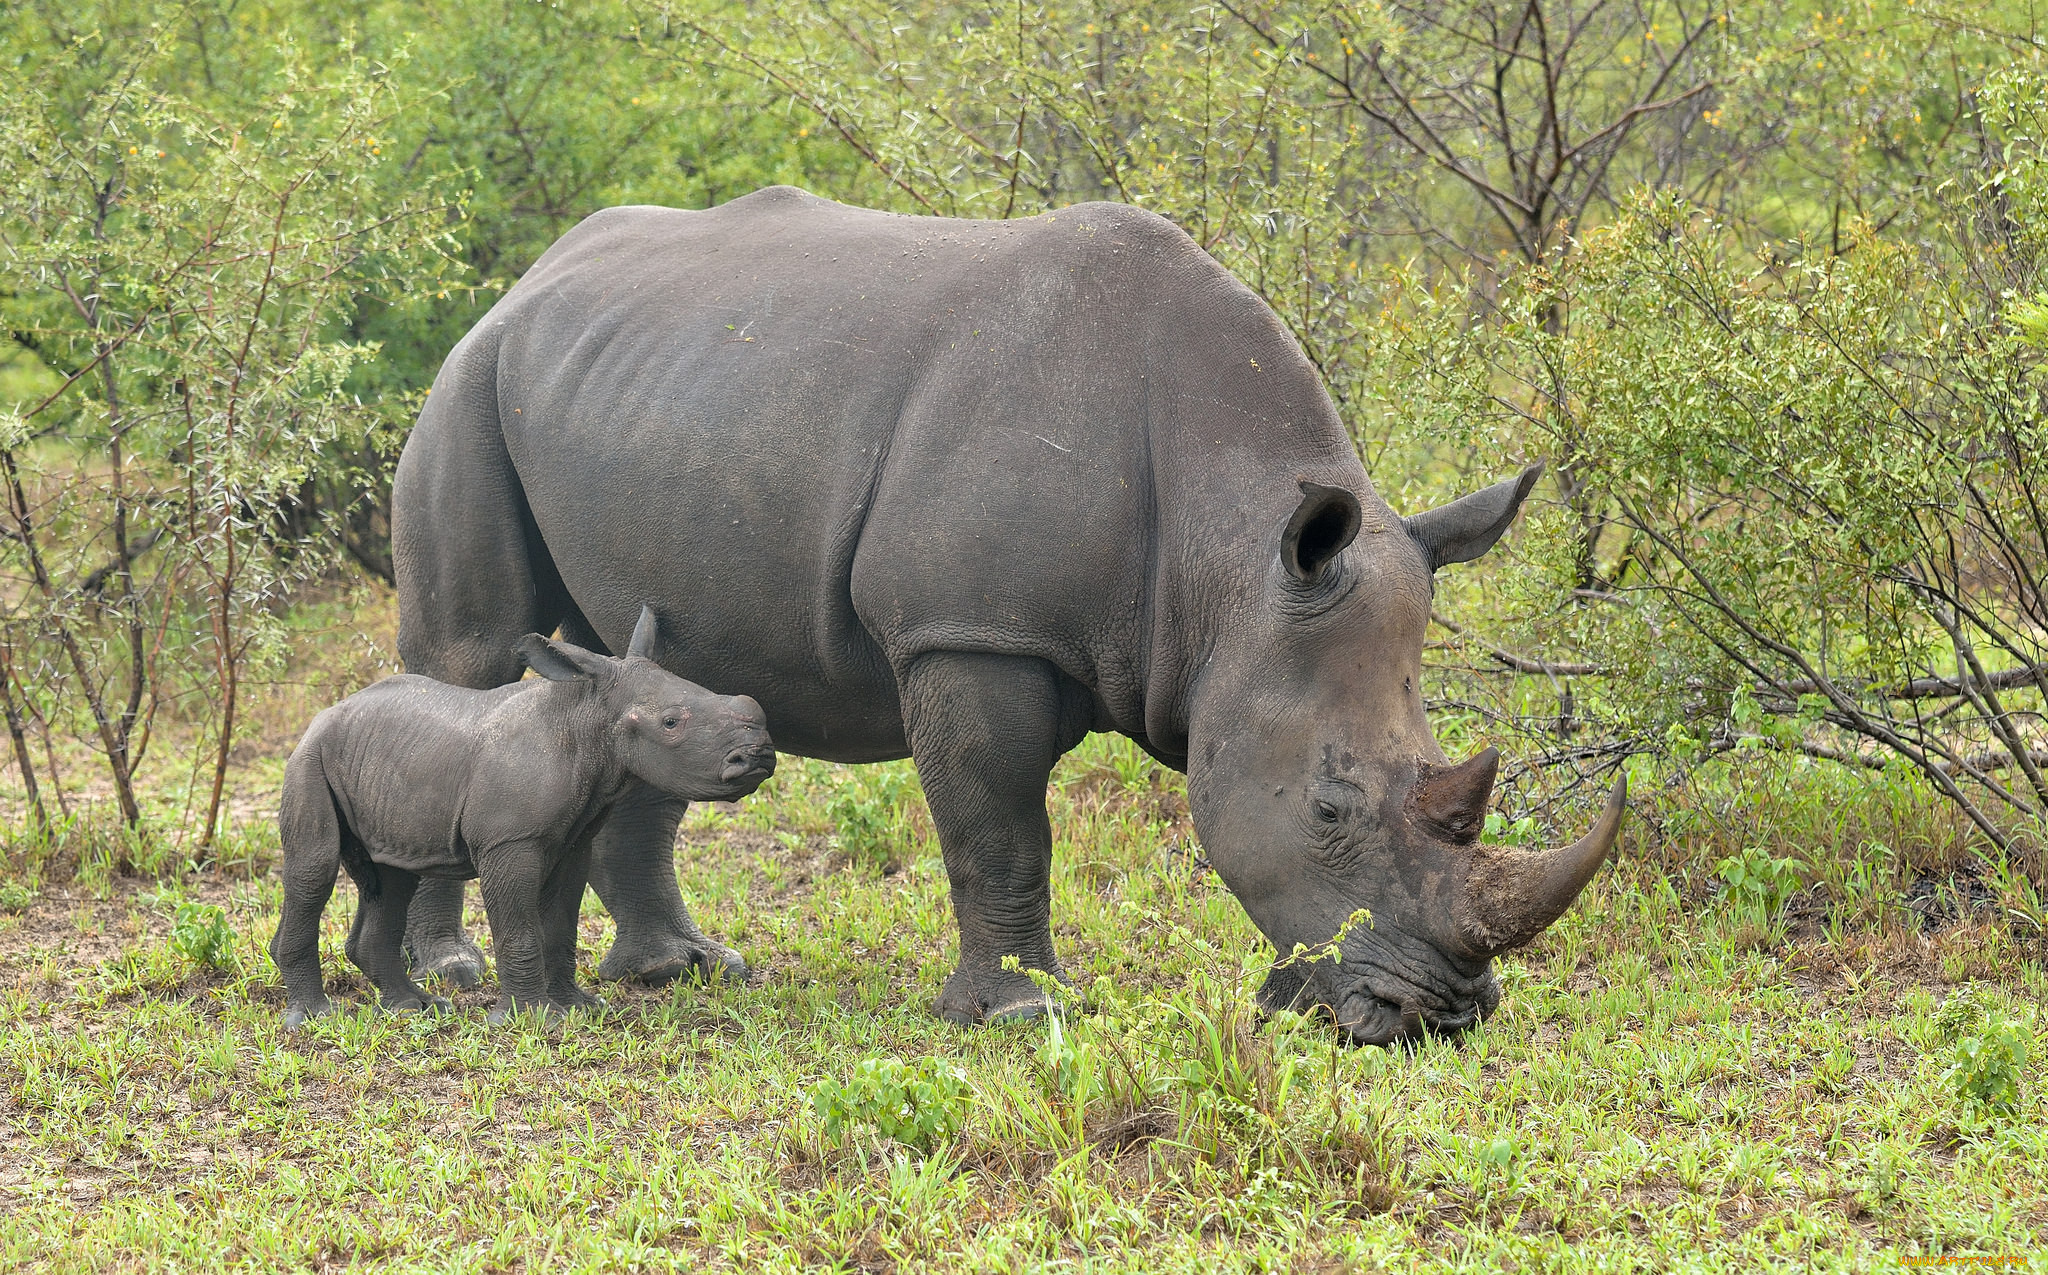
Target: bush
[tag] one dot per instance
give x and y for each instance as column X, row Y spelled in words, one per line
column 918, row 1106
column 1756, row 884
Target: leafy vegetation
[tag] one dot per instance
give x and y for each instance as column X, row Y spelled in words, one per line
column 917, row 1105
column 1662, row 1088
column 1763, row 284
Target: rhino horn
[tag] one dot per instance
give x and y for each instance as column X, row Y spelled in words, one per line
column 1454, row 797
column 1510, row 895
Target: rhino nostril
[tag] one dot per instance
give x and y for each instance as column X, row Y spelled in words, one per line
column 742, row 762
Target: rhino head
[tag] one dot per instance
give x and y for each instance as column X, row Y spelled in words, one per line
column 1318, row 789
column 685, row 740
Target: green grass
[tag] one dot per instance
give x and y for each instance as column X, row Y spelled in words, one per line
column 1669, row 1084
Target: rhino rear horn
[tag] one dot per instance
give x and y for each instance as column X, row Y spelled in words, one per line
column 1468, row 526
column 1454, row 797
column 642, row 644
column 1510, row 896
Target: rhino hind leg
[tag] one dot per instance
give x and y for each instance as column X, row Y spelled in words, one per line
column 633, row 869
column 473, row 576
column 310, row 832
column 985, row 731
column 376, row 940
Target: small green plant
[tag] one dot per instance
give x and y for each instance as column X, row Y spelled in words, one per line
column 1073, row 1063
column 1756, row 884
column 918, row 1106
column 1960, row 1013
column 1499, row 830
column 200, row 934
column 866, row 811
column 1989, row 1064
column 15, row 897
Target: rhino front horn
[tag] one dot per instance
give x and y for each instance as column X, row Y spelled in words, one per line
column 1511, row 895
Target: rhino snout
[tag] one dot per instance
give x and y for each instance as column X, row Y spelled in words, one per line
column 754, row 761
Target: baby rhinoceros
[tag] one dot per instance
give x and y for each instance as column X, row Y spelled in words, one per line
column 412, row 777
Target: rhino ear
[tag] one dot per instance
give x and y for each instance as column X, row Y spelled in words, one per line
column 642, row 644
column 1324, row 522
column 560, row 661
column 1468, row 526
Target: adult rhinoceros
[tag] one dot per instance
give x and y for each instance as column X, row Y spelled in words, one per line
column 966, row 491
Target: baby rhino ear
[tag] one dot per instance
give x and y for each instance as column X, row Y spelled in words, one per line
column 642, row 644
column 559, row 661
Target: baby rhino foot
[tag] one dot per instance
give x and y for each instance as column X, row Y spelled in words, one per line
column 295, row 1015
column 453, row 958
column 420, row 1004
column 542, row 1012
column 575, row 998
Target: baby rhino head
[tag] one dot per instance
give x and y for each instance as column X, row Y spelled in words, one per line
column 672, row 733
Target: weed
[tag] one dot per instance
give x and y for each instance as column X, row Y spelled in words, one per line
column 1499, row 830
column 866, row 812
column 1757, row 884
column 1989, row 1066
column 200, row 934
column 15, row 897
column 918, row 1106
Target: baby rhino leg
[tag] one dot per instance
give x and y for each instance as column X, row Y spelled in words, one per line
column 376, row 942
column 561, row 905
column 311, row 836
column 513, row 878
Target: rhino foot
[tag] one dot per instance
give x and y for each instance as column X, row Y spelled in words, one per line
column 452, row 958
column 545, row 1013
column 982, row 997
column 664, row 960
column 295, row 1016
column 422, row 1004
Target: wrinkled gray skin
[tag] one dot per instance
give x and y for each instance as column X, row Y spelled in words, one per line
column 412, row 778
column 968, row 491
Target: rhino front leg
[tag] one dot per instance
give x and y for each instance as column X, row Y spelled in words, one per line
column 514, row 879
column 985, row 731
column 435, row 942
column 633, row 869
column 561, row 907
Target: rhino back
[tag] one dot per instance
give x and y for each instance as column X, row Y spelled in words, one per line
column 835, row 439
column 403, row 758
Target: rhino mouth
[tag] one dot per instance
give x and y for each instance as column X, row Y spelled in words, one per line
column 1382, row 992
column 744, row 764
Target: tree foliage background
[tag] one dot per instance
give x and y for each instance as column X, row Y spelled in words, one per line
column 1762, row 283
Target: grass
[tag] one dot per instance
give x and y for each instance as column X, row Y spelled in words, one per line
column 1686, row 1072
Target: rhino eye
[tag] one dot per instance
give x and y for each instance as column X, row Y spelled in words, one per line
column 1326, row 811
column 669, row 722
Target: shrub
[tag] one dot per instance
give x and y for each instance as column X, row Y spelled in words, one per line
column 918, row 1106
